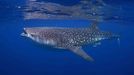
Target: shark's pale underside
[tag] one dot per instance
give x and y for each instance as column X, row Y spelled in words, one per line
column 71, row 39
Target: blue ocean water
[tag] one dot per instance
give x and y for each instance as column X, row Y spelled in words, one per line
column 21, row 56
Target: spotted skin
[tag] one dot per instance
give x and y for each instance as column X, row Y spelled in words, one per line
column 67, row 38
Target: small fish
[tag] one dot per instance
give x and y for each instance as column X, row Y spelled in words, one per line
column 71, row 39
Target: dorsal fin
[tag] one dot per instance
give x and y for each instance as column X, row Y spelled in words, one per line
column 94, row 25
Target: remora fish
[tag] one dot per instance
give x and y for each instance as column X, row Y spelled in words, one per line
column 71, row 39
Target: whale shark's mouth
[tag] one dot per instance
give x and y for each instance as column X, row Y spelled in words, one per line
column 24, row 33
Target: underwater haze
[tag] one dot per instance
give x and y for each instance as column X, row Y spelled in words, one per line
column 22, row 56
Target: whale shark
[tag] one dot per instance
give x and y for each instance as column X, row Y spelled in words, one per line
column 71, row 39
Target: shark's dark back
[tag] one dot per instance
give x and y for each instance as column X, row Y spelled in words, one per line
column 75, row 36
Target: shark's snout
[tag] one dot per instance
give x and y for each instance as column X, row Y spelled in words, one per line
column 24, row 33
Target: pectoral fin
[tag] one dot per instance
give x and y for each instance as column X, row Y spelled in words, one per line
column 80, row 52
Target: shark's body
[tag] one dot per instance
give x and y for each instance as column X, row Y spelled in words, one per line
column 67, row 38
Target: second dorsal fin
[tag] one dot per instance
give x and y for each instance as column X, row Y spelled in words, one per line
column 94, row 25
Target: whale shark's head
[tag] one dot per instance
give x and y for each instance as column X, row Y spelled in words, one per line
column 36, row 35
column 29, row 32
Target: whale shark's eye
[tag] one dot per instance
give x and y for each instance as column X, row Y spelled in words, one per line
column 24, row 32
column 32, row 35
